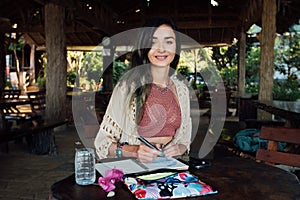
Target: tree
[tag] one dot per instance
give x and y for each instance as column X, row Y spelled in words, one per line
column 15, row 47
column 225, row 59
column 287, row 59
column 199, row 60
column 225, row 56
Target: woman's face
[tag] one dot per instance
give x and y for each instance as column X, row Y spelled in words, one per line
column 163, row 47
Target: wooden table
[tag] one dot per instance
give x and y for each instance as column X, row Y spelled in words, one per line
column 9, row 110
column 234, row 177
column 289, row 111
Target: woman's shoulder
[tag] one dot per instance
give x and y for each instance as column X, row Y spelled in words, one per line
column 121, row 87
column 179, row 83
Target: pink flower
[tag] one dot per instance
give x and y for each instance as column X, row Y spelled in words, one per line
column 111, row 176
column 106, row 183
column 115, row 174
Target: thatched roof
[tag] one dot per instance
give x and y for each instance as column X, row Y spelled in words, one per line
column 88, row 21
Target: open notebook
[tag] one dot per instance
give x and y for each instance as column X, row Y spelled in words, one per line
column 129, row 166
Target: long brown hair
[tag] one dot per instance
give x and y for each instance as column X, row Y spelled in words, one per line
column 140, row 76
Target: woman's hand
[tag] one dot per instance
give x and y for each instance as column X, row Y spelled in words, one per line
column 172, row 150
column 147, row 154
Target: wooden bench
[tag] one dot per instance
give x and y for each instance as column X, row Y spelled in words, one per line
column 39, row 135
column 11, row 113
column 10, row 94
column 275, row 135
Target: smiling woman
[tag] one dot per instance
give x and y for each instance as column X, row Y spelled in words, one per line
column 163, row 47
column 149, row 100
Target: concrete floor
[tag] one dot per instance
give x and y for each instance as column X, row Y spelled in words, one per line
column 25, row 176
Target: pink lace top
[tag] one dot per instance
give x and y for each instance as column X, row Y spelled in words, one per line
column 161, row 115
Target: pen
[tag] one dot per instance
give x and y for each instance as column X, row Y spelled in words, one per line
column 147, row 143
column 167, row 143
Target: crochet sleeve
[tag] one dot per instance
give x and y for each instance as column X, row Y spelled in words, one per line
column 112, row 123
column 184, row 132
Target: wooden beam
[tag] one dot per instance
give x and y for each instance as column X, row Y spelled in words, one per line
column 251, row 13
column 197, row 24
column 41, row 29
column 98, row 17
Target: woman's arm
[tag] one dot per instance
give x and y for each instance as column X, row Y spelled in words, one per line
column 111, row 126
column 183, row 134
column 141, row 152
column 127, row 150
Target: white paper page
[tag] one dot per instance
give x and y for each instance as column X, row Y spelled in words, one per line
column 127, row 166
column 162, row 162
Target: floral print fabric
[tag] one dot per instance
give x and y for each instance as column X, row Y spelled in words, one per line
column 178, row 185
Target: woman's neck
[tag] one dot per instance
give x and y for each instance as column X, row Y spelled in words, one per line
column 160, row 75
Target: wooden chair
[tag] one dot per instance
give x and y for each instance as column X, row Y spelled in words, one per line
column 275, row 135
column 38, row 102
column 10, row 95
column 9, row 111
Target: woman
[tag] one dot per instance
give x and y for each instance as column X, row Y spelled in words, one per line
column 148, row 101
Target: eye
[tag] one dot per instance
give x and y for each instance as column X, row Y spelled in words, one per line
column 153, row 42
column 170, row 42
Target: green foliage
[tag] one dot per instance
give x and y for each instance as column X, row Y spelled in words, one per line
column 199, row 60
column 16, row 46
column 252, row 62
column 287, row 90
column 71, row 77
column 184, row 70
column 92, row 65
column 7, row 84
column 229, row 75
column 41, row 81
column 251, row 88
column 89, row 68
column 287, row 51
column 119, row 69
column 225, row 56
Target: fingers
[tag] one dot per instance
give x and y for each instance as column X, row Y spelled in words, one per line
column 171, row 150
column 146, row 154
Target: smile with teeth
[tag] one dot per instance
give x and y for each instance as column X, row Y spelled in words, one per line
column 161, row 57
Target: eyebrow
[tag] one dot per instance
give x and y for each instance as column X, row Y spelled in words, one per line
column 169, row 37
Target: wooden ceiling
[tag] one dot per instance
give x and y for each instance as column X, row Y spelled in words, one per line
column 88, row 21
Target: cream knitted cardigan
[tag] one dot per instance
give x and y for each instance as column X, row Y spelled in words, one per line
column 119, row 121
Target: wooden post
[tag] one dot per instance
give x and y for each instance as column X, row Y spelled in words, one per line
column 2, row 62
column 266, row 70
column 56, row 69
column 32, row 64
column 242, row 64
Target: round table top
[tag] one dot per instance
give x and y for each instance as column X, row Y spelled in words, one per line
column 234, row 178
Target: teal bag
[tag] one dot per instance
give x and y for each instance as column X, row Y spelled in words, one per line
column 249, row 140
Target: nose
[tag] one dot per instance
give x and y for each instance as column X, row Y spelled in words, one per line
column 160, row 47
